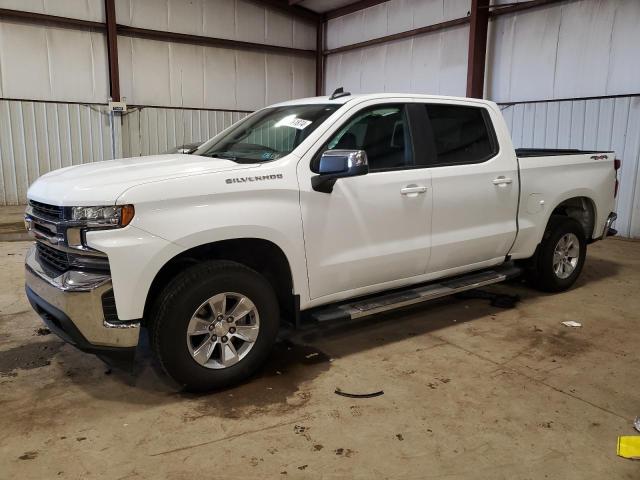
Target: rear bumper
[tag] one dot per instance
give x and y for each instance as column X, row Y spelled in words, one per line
column 71, row 306
column 609, row 231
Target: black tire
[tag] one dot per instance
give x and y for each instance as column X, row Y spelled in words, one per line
column 181, row 298
column 541, row 274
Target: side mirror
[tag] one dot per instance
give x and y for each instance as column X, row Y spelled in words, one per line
column 335, row 164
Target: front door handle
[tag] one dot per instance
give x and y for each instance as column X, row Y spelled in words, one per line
column 502, row 181
column 413, row 189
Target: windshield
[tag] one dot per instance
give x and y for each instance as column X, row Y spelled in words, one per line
column 269, row 134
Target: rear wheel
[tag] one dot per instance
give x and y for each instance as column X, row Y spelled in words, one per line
column 214, row 325
column 560, row 256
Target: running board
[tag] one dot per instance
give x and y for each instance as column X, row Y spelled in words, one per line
column 401, row 298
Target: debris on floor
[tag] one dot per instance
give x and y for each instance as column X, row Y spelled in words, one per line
column 338, row 391
column 571, row 323
column 629, row 447
column 43, row 331
column 636, row 423
column 501, row 300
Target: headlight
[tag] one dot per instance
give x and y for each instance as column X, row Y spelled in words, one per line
column 113, row 216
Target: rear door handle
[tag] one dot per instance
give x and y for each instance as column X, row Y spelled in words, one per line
column 502, row 181
column 413, row 189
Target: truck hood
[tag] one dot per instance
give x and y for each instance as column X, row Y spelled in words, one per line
column 101, row 183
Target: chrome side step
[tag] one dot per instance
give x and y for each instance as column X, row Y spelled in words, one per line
column 411, row 296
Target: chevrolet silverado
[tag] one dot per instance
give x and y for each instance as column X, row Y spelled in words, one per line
column 313, row 210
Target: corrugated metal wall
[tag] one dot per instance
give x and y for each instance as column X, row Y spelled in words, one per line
column 434, row 62
column 83, row 9
column 148, row 131
column 600, row 124
column 61, row 64
column 65, row 72
column 583, row 48
column 50, row 63
column 244, row 20
column 580, row 48
column 394, row 16
column 37, row 137
column 178, row 75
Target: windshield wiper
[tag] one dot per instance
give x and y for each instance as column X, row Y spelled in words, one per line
column 224, row 157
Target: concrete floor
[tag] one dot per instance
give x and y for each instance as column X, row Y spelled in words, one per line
column 12, row 223
column 470, row 391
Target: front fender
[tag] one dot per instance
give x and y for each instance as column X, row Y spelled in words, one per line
column 135, row 257
column 211, row 208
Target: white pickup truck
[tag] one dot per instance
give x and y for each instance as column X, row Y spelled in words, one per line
column 313, row 210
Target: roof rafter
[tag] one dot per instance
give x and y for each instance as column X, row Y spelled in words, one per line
column 292, row 9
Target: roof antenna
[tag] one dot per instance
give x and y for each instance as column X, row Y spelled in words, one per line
column 339, row 92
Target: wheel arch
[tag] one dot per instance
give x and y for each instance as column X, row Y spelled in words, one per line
column 581, row 208
column 259, row 254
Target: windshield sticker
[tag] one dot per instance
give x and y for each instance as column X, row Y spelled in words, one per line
column 294, row 122
column 268, row 155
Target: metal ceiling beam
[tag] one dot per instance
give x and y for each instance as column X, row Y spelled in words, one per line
column 112, row 50
column 128, row 31
column 478, row 27
column 42, row 19
column 401, row 35
column 292, row 9
column 518, row 7
column 352, row 7
column 512, row 8
column 497, row 9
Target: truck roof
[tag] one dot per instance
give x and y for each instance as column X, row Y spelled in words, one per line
column 374, row 96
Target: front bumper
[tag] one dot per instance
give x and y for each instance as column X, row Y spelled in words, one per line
column 71, row 305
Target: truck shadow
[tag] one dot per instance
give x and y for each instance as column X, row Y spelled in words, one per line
column 300, row 357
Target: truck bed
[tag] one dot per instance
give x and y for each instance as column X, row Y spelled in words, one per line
column 551, row 152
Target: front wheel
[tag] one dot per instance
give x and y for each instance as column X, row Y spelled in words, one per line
column 560, row 256
column 214, row 325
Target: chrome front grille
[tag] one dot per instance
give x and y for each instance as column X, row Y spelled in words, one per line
column 48, row 225
column 44, row 210
column 43, row 222
column 62, row 259
column 52, row 257
column 109, row 307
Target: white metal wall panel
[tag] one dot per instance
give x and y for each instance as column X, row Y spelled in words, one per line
column 92, row 10
column 176, row 75
column 149, row 131
column 233, row 19
column 602, row 124
column 39, row 137
column 575, row 49
column 433, row 63
column 45, row 63
column 392, row 17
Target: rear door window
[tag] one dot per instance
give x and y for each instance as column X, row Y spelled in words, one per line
column 461, row 134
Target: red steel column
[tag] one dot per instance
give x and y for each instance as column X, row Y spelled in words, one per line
column 320, row 58
column 479, row 24
column 112, row 50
